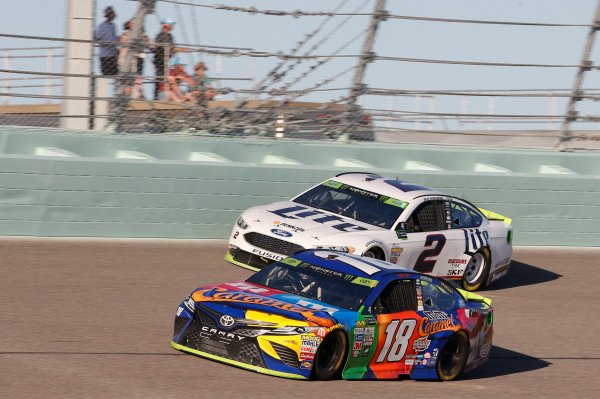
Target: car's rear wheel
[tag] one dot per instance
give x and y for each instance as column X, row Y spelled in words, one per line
column 453, row 356
column 477, row 270
column 330, row 356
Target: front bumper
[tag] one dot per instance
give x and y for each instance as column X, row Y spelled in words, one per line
column 246, row 259
column 201, row 335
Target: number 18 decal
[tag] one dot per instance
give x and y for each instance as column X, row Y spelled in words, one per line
column 397, row 336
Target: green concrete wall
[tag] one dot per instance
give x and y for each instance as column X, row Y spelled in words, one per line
column 58, row 184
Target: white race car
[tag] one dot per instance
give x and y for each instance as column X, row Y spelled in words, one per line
column 383, row 218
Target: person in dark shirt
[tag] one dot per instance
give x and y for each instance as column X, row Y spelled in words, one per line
column 107, row 33
column 164, row 49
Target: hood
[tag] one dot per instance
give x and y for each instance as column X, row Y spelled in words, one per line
column 226, row 299
column 296, row 222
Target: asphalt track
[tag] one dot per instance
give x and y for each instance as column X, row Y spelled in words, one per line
column 93, row 319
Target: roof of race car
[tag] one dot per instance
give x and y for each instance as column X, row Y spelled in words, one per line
column 350, row 264
column 392, row 187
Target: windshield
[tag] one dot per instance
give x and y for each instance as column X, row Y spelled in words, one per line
column 362, row 205
column 335, row 288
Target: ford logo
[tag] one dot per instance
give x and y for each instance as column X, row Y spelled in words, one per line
column 281, row 233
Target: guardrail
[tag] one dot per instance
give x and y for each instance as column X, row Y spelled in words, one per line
column 76, row 184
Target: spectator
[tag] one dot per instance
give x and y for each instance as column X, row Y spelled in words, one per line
column 203, row 90
column 177, row 81
column 107, row 33
column 163, row 49
column 137, row 62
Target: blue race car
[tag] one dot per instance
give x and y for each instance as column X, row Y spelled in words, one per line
column 322, row 314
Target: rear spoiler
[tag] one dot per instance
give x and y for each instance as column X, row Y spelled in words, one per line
column 470, row 296
column 495, row 216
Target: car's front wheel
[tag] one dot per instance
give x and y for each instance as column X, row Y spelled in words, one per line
column 477, row 270
column 374, row 252
column 453, row 356
column 330, row 356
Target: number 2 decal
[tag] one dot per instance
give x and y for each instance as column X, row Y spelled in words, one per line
column 436, row 242
column 396, row 340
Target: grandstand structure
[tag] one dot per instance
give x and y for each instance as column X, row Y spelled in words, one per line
column 319, row 89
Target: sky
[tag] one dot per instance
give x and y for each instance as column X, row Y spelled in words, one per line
column 395, row 38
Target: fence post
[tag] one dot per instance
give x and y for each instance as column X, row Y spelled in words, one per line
column 7, row 76
column 78, row 61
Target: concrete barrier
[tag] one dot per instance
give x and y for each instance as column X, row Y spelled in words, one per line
column 56, row 183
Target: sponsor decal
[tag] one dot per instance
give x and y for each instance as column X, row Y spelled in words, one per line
column 436, row 315
column 305, row 364
column 357, row 345
column 307, row 356
column 308, row 349
column 295, row 229
column 291, row 262
column 359, row 330
column 310, row 340
column 428, row 327
column 409, row 362
column 370, row 320
column 457, row 261
column 397, row 250
column 454, row 272
column 401, row 232
column 266, row 254
column 427, row 355
column 421, row 344
column 394, row 260
column 370, row 331
column 360, row 323
column 365, row 281
column 223, row 295
column 355, row 353
column 366, row 351
column 281, row 233
column 179, row 310
column 301, row 212
column 475, row 239
column 321, row 332
column 498, row 274
column 373, row 242
column 368, row 341
column 396, row 202
column 502, row 263
column 358, row 337
column 485, row 350
column 333, row 184
column 425, row 199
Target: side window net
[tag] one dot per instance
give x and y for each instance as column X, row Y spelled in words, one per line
column 429, row 217
column 397, row 297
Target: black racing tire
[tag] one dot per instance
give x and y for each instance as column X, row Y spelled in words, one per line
column 331, row 355
column 453, row 356
column 374, row 252
column 477, row 270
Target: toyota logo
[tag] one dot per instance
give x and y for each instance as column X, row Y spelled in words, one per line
column 226, row 320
